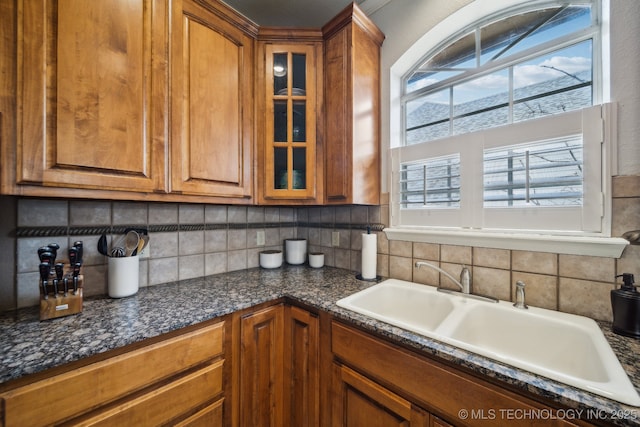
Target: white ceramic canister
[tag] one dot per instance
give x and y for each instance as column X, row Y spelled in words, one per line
column 123, row 275
column 316, row 259
column 295, row 251
column 270, row 259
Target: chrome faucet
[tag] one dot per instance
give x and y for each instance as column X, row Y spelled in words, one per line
column 520, row 296
column 464, row 283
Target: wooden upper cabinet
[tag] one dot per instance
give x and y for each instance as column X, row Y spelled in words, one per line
column 211, row 104
column 289, row 149
column 352, row 108
column 91, row 94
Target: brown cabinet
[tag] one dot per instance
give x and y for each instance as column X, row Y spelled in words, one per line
column 302, row 368
column 90, row 95
column 211, row 104
column 278, row 368
column 359, row 401
column 352, row 109
column 130, row 388
column 289, row 150
column 261, row 367
column 140, row 100
column 387, row 377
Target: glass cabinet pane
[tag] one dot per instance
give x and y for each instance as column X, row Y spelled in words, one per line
column 299, row 121
column 280, row 73
column 280, row 167
column 280, row 121
column 299, row 168
column 299, row 84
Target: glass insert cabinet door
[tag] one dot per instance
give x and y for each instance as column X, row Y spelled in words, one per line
column 290, row 121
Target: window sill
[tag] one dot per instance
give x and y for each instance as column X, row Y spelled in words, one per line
column 610, row 247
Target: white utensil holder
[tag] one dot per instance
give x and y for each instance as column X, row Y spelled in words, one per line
column 123, row 276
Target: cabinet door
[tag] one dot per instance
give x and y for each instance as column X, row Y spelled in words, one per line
column 360, row 402
column 261, row 368
column 211, row 104
column 92, row 94
column 352, row 108
column 289, row 145
column 302, row 376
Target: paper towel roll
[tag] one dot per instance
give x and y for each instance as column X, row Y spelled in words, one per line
column 369, row 256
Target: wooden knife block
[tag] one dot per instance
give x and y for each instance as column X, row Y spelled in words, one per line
column 59, row 305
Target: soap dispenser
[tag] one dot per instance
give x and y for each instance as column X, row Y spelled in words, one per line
column 625, row 303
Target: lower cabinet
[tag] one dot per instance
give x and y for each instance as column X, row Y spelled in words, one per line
column 358, row 401
column 261, row 367
column 278, row 368
column 376, row 383
column 131, row 388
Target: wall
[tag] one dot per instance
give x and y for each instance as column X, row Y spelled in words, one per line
column 186, row 240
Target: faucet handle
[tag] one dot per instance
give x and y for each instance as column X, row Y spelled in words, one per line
column 465, row 280
column 520, row 296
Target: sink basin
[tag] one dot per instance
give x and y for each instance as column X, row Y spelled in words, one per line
column 405, row 304
column 567, row 348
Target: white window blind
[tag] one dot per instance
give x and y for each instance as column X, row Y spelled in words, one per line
column 431, row 183
column 544, row 174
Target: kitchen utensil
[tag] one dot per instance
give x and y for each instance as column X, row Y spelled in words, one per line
column 79, row 246
column 117, row 252
column 103, row 247
column 131, row 241
column 117, row 247
column 46, row 256
column 76, row 273
column 59, row 267
column 73, row 256
column 42, row 250
column 141, row 244
column 53, row 248
column 145, row 238
column 45, row 270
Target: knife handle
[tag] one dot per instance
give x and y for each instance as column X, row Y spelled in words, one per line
column 45, row 270
column 79, row 247
column 59, row 267
column 76, row 272
column 53, row 248
column 47, row 256
column 73, row 256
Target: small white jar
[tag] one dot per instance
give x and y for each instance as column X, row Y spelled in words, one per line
column 316, row 259
column 270, row 259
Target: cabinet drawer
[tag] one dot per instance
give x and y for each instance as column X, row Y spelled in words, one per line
column 75, row 392
column 164, row 403
column 431, row 384
column 211, row 416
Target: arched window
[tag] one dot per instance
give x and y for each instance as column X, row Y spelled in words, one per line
column 503, row 127
column 519, row 65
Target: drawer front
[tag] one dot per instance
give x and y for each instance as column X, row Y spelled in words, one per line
column 211, row 416
column 164, row 403
column 75, row 392
column 432, row 385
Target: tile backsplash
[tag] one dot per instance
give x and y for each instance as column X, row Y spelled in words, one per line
column 194, row 240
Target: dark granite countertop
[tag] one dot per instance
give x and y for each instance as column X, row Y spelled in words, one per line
column 28, row 346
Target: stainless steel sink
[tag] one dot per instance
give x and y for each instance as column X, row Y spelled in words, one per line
column 564, row 347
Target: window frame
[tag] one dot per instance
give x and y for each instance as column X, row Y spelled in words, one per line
column 599, row 243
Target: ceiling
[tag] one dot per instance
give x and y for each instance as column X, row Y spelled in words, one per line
column 298, row 13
